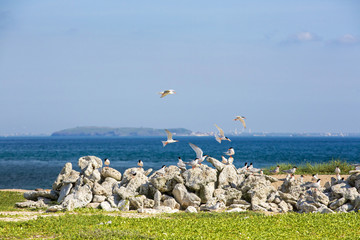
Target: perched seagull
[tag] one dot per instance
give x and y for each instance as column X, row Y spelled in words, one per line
column 133, row 173
column 199, row 153
column 254, row 170
column 276, row 170
column 169, row 138
column 250, row 166
column 315, row 185
column 230, row 160
column 315, row 177
column 301, row 178
column 292, row 177
column 291, row 171
column 221, row 135
column 106, row 162
column 241, row 119
column 244, row 168
column 193, row 163
column 140, row 164
column 338, row 177
column 224, row 160
column 230, row 152
column 181, row 164
column 161, row 170
column 167, row 92
column 337, row 170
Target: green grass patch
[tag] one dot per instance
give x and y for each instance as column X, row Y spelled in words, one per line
column 188, row 226
column 8, row 200
column 320, row 168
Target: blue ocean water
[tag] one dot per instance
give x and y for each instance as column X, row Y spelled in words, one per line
column 30, row 163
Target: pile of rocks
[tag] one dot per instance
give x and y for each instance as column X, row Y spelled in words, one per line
column 202, row 188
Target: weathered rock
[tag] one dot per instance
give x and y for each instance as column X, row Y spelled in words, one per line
column 106, row 206
column 72, row 177
column 157, row 198
column 88, row 164
column 185, row 198
column 287, row 196
column 321, row 197
column 228, row 177
column 111, row 172
column 206, row 192
column 283, row 206
column 124, row 205
column 242, row 206
column 79, row 198
column 256, row 189
column 255, row 207
column 54, row 208
column 339, row 202
column 324, row 209
column 64, row 191
column 34, row 195
column 113, row 200
column 228, row 196
column 166, row 183
column 98, row 199
column 171, row 203
column 95, row 176
column 216, row 163
column 344, row 190
column 306, row 207
column 93, row 205
column 124, row 193
column 198, row 177
column 345, row 208
column 190, row 209
column 108, row 185
column 271, row 178
column 213, row 207
column 98, row 189
column 236, row 210
column 31, row 204
column 63, row 174
column 147, row 172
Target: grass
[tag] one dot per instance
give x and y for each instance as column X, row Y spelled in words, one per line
column 8, row 200
column 188, row 226
column 320, row 168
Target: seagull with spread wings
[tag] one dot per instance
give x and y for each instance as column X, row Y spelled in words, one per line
column 221, row 135
column 241, row 119
column 169, row 138
column 167, row 92
column 199, row 153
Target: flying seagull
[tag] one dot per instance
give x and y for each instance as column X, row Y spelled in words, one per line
column 241, row 119
column 167, row 92
column 199, row 153
column 169, row 138
column 221, row 135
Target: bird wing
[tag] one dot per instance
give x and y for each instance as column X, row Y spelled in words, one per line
column 198, row 151
column 164, row 93
column 218, row 138
column 243, row 122
column 220, row 130
column 169, row 134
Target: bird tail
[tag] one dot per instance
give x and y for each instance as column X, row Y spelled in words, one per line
column 218, row 138
column 164, row 143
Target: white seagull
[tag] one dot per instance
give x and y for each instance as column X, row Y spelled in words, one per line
column 181, row 164
column 315, row 184
column 167, row 92
column 230, row 160
column 140, row 163
column 254, row 170
column 244, row 168
column 315, row 177
column 193, row 163
column 337, row 170
column 291, row 171
column 106, row 162
column 169, row 138
column 301, row 178
column 199, row 153
column 241, row 119
column 276, row 170
column 161, row 170
column 230, row 151
column 221, row 135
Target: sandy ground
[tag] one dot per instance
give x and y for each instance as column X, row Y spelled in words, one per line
column 30, row 215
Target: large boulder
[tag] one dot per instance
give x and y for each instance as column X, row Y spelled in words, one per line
column 64, row 191
column 166, row 182
column 65, row 172
column 72, row 177
column 133, row 179
column 228, row 177
column 198, row 177
column 216, row 163
column 344, row 190
column 109, row 185
column 34, row 195
column 229, row 196
column 256, row 189
column 79, row 198
column 111, row 172
column 88, row 164
column 185, row 198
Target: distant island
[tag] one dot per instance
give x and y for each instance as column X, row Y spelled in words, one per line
column 118, row 132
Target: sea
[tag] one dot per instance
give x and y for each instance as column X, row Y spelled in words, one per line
column 35, row 162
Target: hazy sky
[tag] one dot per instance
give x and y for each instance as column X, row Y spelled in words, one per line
column 287, row 66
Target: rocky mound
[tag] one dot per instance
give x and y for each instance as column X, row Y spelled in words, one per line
column 202, row 188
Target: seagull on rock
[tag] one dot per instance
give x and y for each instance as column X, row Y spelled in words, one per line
column 199, row 153
column 106, row 162
column 169, row 138
column 337, row 170
column 167, row 92
column 193, row 163
column 181, row 164
column 221, row 136
column 161, row 171
column 241, row 119
column 230, row 151
column 140, row 164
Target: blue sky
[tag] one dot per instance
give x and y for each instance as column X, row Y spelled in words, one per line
column 287, row 66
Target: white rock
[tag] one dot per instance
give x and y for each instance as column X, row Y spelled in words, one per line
column 191, row 209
